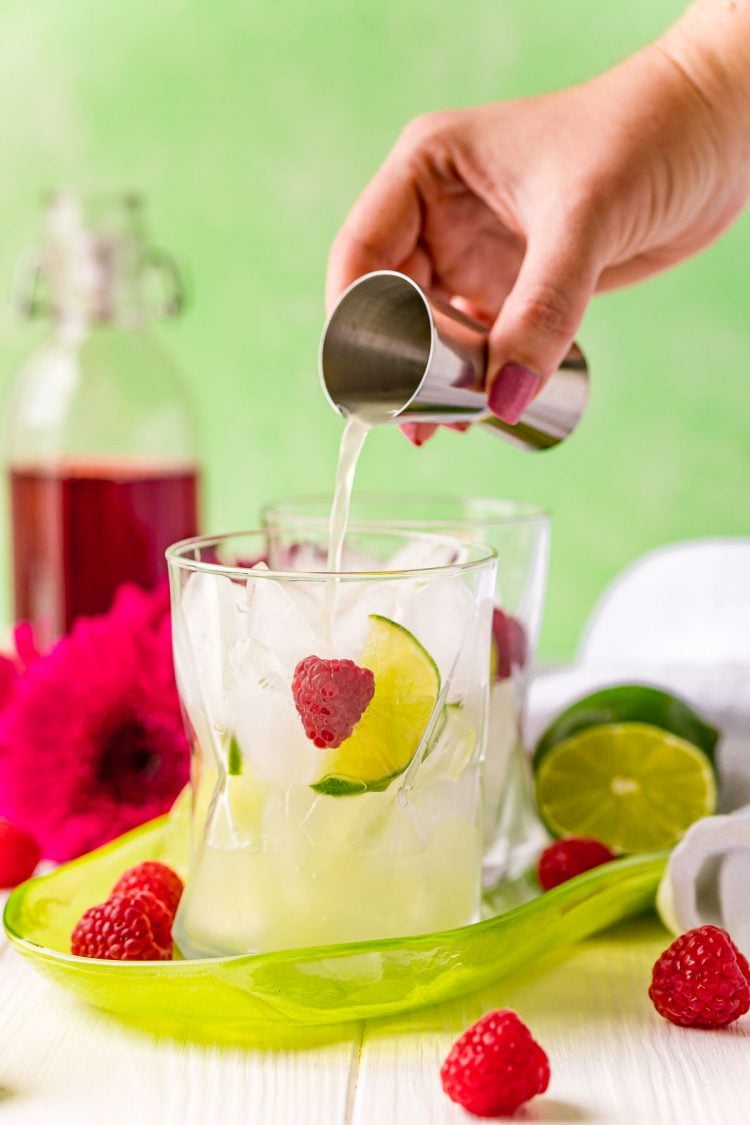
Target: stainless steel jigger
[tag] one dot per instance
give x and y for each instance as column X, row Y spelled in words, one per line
column 393, row 353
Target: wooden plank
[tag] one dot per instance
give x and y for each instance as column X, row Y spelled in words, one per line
column 62, row 1063
column 614, row 1061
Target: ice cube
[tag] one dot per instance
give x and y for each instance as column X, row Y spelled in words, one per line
column 283, row 620
column 299, row 556
column 443, row 616
column 356, row 561
column 206, row 624
column 426, row 554
column 267, row 728
column 354, row 603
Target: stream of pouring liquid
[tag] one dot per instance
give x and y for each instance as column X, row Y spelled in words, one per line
column 352, row 443
column 353, row 439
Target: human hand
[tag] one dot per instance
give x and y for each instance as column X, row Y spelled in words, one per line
column 518, row 212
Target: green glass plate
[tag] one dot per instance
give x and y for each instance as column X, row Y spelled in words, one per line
column 304, row 987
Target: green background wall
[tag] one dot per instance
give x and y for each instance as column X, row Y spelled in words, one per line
column 251, row 127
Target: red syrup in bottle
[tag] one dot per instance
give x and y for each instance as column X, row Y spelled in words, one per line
column 81, row 530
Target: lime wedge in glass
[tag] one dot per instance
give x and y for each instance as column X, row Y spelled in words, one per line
column 635, row 787
column 630, row 703
column 407, row 686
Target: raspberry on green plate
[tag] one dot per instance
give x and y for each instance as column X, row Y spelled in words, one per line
column 135, row 926
column 162, row 882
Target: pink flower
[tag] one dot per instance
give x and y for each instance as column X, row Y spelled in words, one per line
column 91, row 736
column 11, row 667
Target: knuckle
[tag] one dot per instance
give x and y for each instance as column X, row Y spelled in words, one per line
column 577, row 210
column 423, row 132
column 550, row 313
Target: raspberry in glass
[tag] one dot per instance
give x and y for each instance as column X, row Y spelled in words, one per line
column 331, row 696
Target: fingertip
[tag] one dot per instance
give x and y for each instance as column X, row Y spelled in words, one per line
column 418, row 432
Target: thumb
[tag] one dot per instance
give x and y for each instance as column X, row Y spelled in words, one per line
column 535, row 327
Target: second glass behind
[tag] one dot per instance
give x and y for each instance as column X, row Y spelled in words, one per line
column 337, row 724
column 519, row 532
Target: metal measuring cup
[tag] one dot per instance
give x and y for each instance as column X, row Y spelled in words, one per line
column 394, row 353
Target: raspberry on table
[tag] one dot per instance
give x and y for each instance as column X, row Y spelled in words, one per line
column 701, row 980
column 563, row 859
column 19, row 855
column 163, row 883
column 331, row 696
column 129, row 927
column 495, row 1066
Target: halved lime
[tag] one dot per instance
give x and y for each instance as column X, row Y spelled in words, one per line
column 407, row 686
column 630, row 703
column 635, row 787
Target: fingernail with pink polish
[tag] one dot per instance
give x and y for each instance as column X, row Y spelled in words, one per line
column 417, row 432
column 512, row 392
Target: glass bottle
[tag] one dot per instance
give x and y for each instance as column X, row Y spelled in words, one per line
column 100, row 444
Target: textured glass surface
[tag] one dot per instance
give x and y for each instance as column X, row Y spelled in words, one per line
column 273, row 993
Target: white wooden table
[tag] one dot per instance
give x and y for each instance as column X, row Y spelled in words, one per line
column 613, row 1059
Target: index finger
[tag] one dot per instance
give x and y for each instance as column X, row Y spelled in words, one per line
column 380, row 232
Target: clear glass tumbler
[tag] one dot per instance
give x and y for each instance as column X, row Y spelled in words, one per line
column 519, row 533
column 337, row 723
